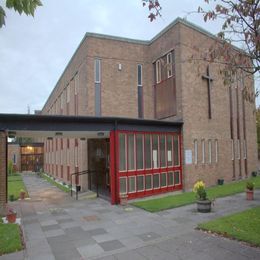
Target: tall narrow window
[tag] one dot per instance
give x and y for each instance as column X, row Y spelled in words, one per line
column 169, row 150
column 155, row 151
column 238, row 149
column 232, row 150
column 162, row 151
column 158, row 71
column 97, row 70
column 122, row 152
column 148, row 153
column 195, row 151
column 216, row 150
column 131, row 153
column 176, row 150
column 169, row 65
column 203, row 151
column 139, row 152
column 139, row 75
column 244, row 149
column 210, row 151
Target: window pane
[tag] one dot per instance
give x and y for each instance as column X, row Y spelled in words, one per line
column 176, row 150
column 162, row 151
column 139, row 76
column 122, row 159
column 170, row 179
column 139, row 151
column 155, row 151
column 210, row 151
column 156, row 181
column 131, row 184
column 140, row 183
column 97, row 71
column 177, row 177
column 148, row 182
column 195, row 151
column 163, row 179
column 169, row 150
column 147, row 152
column 131, row 152
column 123, row 185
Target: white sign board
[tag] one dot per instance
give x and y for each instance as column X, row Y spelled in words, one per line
column 188, row 156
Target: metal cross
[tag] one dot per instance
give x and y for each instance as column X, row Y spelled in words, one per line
column 209, row 81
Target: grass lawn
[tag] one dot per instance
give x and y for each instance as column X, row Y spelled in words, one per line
column 173, row 201
column 15, row 184
column 244, row 226
column 50, row 180
column 10, row 238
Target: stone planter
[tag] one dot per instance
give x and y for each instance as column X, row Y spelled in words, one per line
column 249, row 194
column 22, row 195
column 204, row 206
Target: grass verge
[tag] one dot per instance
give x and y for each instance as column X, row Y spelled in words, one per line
column 243, row 226
column 173, row 201
column 50, row 180
column 15, row 185
column 10, row 238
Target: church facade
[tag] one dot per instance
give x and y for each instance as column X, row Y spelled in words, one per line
column 110, row 76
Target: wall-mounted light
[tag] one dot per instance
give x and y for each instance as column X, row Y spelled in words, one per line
column 119, row 66
column 49, row 138
column 100, row 134
column 11, row 134
column 58, row 134
column 82, row 139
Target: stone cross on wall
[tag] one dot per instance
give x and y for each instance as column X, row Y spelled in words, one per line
column 209, row 80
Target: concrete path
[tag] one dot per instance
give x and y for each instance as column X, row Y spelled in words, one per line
column 58, row 227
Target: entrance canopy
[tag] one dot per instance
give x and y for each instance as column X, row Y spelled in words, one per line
column 78, row 126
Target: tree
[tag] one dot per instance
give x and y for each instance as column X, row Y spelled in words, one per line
column 241, row 25
column 27, row 7
column 258, row 130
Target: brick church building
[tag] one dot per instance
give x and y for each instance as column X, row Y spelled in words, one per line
column 109, row 76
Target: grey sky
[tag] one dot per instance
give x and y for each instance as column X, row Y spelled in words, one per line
column 35, row 51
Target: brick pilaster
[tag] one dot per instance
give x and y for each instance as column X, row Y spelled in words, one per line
column 3, row 171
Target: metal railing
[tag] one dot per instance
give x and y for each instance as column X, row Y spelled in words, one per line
column 77, row 186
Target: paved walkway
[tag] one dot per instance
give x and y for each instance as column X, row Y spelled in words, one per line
column 58, row 227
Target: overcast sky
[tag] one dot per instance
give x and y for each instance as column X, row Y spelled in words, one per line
column 35, row 51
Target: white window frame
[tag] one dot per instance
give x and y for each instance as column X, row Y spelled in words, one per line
column 126, row 187
column 134, row 169
column 166, row 179
column 210, row 151
column 97, row 63
column 179, row 173
column 169, row 64
column 158, row 69
column 171, row 185
column 129, row 177
column 151, row 176
column 195, row 151
column 140, row 66
column 141, row 169
column 216, row 150
column 151, row 150
column 143, row 183
column 159, row 181
column 203, row 151
column 126, row 159
column 165, row 148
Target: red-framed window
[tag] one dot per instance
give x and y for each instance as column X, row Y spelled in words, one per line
column 148, row 163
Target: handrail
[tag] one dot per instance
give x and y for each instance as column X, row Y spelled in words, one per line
column 77, row 174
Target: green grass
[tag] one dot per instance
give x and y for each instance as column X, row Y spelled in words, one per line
column 173, row 201
column 15, row 184
column 10, row 238
column 50, row 180
column 243, row 226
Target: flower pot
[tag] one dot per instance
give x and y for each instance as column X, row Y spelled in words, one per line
column 220, row 181
column 123, row 199
column 22, row 195
column 11, row 217
column 249, row 194
column 204, row 206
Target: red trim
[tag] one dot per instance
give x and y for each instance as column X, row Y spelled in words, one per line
column 112, row 169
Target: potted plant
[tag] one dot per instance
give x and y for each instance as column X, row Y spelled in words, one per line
column 250, row 190
column 203, row 203
column 11, row 215
column 123, row 199
column 22, row 194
